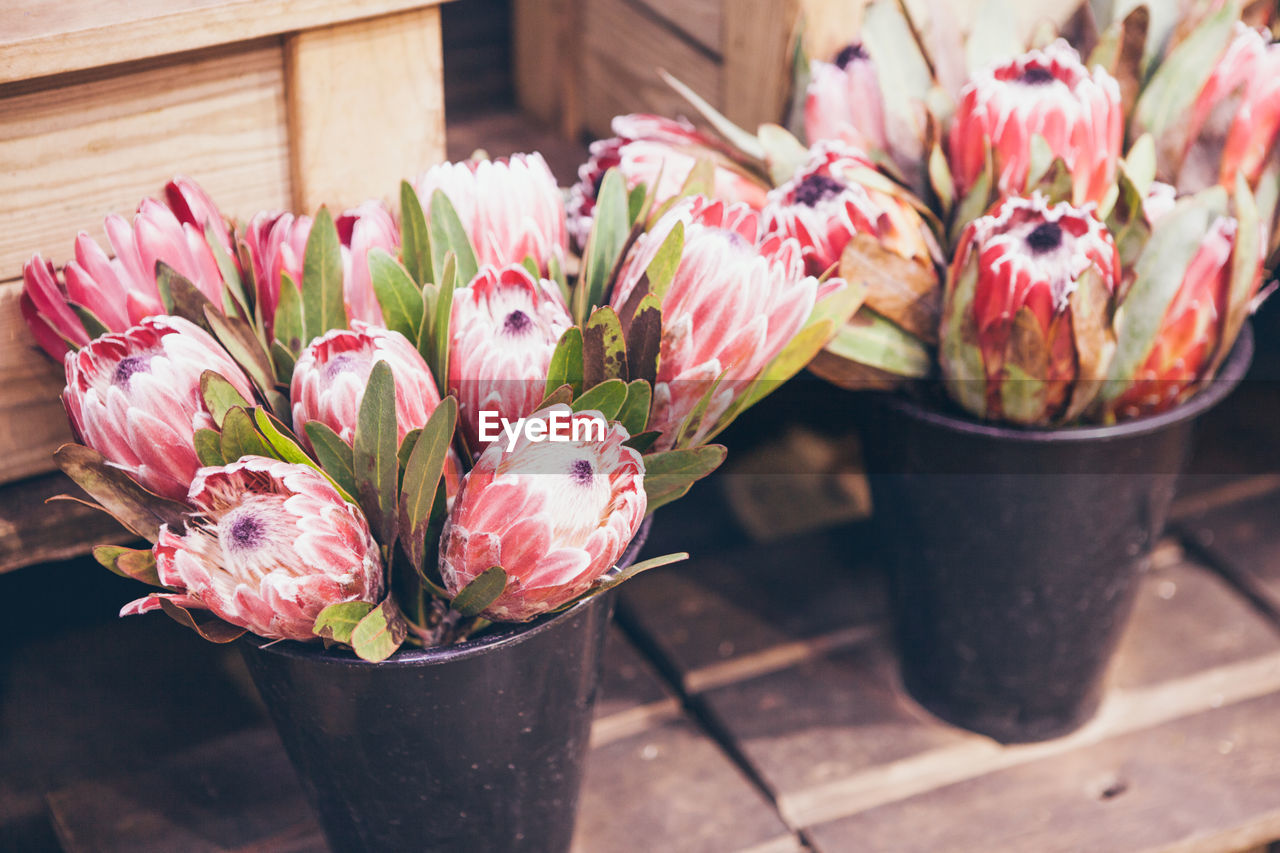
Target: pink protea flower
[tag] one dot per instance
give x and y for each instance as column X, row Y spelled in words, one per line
column 331, row 374
column 1234, row 124
column 1027, row 330
column 268, row 546
column 556, row 515
column 1048, row 93
column 646, row 146
column 502, row 332
column 134, row 397
column 121, row 291
column 732, row 306
column 511, row 208
column 192, row 205
column 278, row 243
column 825, row 204
column 843, row 101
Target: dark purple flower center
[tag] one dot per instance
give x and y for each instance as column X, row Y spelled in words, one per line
column 516, row 323
column 129, row 366
column 581, row 471
column 1036, row 75
column 1046, row 237
column 246, row 533
column 815, row 188
column 339, row 364
column 850, row 53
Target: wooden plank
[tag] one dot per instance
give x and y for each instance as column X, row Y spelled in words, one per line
column 672, row 789
column 757, row 41
column 619, row 73
column 32, row 531
column 632, row 698
column 43, row 37
column 366, row 107
column 1206, row 783
column 836, row 735
column 1240, row 538
column 547, row 43
column 700, row 20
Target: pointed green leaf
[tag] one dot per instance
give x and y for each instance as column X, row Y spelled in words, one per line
column 609, row 233
column 422, row 475
column 239, row 438
column 92, row 325
column 566, row 362
column 415, row 242
column 133, row 506
column 283, row 361
column 129, row 563
column 287, row 323
column 668, row 475
column 227, row 269
column 219, row 396
column 662, row 269
column 644, row 441
column 634, row 414
column 374, row 453
column 337, row 621
column 604, row 352
column 334, row 454
column 398, row 296
column 483, row 590
column 377, row 636
column 644, row 339
column 243, row 346
column 610, row 581
column 606, row 398
column 449, row 278
column 182, row 298
column 743, row 140
column 208, row 444
column 448, row 235
column 323, row 307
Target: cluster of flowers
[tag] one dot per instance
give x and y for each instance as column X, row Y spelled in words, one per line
column 291, row 409
column 1058, row 245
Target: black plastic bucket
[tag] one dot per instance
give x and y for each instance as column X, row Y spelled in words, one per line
column 1015, row 553
column 474, row 747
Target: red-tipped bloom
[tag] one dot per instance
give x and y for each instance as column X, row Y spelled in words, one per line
column 121, row 290
column 277, row 247
column 826, row 203
column 134, row 397
column 649, row 149
column 269, row 545
column 511, row 208
column 556, row 515
column 1027, row 329
column 331, row 374
column 502, row 332
column 1046, row 93
column 1234, row 124
column 1190, row 334
column 732, row 306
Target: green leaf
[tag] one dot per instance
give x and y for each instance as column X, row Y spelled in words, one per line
column 206, row 625
column 377, row 636
column 374, row 453
column 287, row 324
column 322, row 303
column 243, row 346
column 227, row 269
column 566, row 365
column 609, row 234
column 556, row 272
column 286, row 447
column 604, row 352
column 783, row 153
column 606, row 398
column 687, row 432
column 634, row 414
column 662, row 269
column 531, row 267
column 94, row 327
column 941, row 180
column 642, row 442
column 610, row 581
column 208, row 446
column 483, row 590
column 668, row 475
column 239, row 438
column 644, row 339
column 1127, row 221
column 219, row 396
column 415, row 242
column 872, row 340
column 440, row 322
column 448, row 235
column 561, row 396
column 635, row 202
column 182, row 298
column 283, row 361
column 743, row 140
column 973, row 203
column 398, row 296
column 139, row 510
column 129, row 563
column 337, row 621
column 334, row 454
column 422, row 474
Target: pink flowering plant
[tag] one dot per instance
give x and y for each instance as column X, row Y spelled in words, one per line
column 340, row 430
column 1067, row 229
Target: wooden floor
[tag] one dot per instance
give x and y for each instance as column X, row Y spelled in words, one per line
column 751, row 700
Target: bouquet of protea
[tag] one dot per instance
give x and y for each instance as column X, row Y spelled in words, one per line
column 1064, row 226
column 375, row 432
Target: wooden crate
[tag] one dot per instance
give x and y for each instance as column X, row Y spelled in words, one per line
column 578, row 63
column 267, row 103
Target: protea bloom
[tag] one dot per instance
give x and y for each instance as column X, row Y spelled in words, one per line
column 1048, row 93
column 1191, row 332
column 843, row 101
column 732, row 305
column 511, row 208
column 121, row 291
column 837, row 194
column 268, row 546
column 1234, row 124
column 331, row 374
column 556, row 515
column 277, row 246
column 502, row 332
column 1027, row 331
column 645, row 147
column 134, row 397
